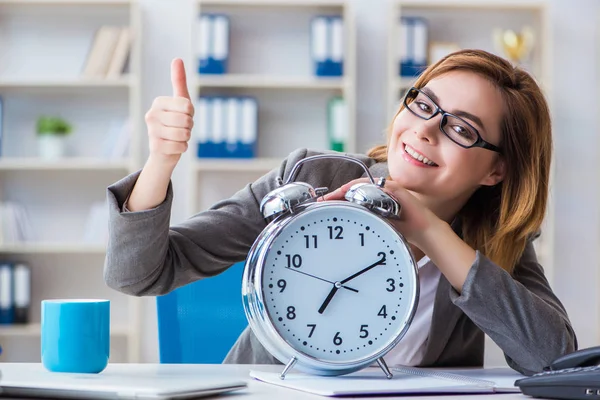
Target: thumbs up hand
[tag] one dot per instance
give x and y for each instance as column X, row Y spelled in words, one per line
column 170, row 120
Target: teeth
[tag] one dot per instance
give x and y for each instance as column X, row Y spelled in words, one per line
column 418, row 156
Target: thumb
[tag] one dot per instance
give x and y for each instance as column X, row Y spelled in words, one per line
column 178, row 79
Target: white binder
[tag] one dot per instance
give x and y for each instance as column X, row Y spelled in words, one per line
column 220, row 28
column 232, row 134
column 336, row 38
column 202, row 130
column 6, row 293
column 319, row 40
column 249, row 120
column 217, row 129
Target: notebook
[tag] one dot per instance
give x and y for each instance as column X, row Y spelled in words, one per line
column 118, row 381
column 406, row 381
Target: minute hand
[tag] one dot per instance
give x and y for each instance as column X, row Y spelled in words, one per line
column 379, row 262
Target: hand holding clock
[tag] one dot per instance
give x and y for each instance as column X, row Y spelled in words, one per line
column 430, row 233
column 416, row 220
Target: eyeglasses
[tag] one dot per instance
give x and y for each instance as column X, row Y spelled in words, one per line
column 455, row 128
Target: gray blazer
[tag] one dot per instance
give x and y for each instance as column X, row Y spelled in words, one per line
column 147, row 256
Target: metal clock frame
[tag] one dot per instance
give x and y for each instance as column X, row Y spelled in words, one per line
column 253, row 298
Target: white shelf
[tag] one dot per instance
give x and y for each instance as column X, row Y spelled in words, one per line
column 508, row 5
column 82, row 83
column 108, row 3
column 272, row 82
column 236, row 165
column 34, row 330
column 273, row 3
column 73, row 164
column 52, row 248
column 98, row 104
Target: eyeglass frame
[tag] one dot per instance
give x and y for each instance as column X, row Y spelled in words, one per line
column 438, row 110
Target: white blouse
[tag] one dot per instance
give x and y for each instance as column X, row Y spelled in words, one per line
column 411, row 349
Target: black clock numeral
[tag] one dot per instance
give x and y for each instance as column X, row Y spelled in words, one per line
column 363, row 331
column 392, row 286
column 362, row 239
column 338, row 229
column 281, row 284
column 312, row 329
column 337, row 339
column 294, row 261
column 382, row 312
column 291, row 312
column 307, row 238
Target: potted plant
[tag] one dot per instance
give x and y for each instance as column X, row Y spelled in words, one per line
column 51, row 133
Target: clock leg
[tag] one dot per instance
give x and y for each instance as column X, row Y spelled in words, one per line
column 287, row 368
column 384, row 367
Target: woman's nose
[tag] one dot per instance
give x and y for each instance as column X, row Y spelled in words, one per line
column 428, row 130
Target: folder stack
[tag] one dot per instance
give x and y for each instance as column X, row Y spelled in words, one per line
column 109, row 53
column 413, row 46
column 327, row 45
column 15, row 293
column 213, row 43
column 337, row 127
column 228, row 126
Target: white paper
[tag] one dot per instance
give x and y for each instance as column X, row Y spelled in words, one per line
column 366, row 382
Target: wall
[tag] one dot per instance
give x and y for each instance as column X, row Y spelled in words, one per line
column 575, row 107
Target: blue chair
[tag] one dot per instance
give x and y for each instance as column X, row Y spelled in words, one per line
column 198, row 323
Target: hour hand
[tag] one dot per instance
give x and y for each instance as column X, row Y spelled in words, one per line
column 328, row 299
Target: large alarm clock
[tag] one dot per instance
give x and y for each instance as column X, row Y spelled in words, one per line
column 329, row 287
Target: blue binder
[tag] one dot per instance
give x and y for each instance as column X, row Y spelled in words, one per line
column 414, row 45
column 227, row 127
column 6, row 293
column 327, row 45
column 213, row 44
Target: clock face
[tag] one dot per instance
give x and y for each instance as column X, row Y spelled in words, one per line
column 338, row 283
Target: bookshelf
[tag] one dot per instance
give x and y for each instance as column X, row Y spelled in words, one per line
column 269, row 59
column 58, row 193
column 446, row 23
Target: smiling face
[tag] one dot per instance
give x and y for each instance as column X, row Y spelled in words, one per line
column 451, row 173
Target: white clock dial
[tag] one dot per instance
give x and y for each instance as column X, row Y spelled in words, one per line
column 337, row 283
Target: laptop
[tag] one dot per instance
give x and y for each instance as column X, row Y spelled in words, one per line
column 119, row 381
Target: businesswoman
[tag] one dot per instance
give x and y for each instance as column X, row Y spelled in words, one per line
column 467, row 155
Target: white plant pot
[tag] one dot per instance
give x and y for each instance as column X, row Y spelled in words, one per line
column 51, row 147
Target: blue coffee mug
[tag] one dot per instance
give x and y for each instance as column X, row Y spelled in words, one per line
column 75, row 335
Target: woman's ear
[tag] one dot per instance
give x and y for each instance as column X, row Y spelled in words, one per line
column 497, row 174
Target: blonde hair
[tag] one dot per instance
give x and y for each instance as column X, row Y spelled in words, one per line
column 499, row 220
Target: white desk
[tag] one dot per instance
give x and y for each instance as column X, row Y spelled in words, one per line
column 256, row 390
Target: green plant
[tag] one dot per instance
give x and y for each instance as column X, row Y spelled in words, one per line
column 53, row 126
